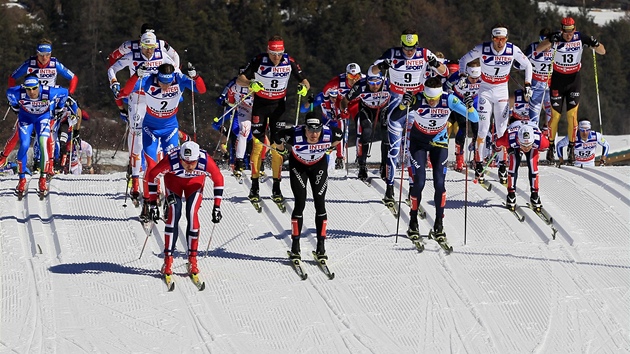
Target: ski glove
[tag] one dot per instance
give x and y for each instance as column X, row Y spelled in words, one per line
column 72, row 120
column 602, row 161
column 154, row 211
column 407, row 99
column 384, row 65
column 124, row 115
column 468, row 100
column 216, row 214
column 142, row 70
column 15, row 109
column 595, row 42
column 461, row 83
column 76, row 136
column 302, row 90
column 433, row 61
column 283, row 153
column 191, row 71
column 115, row 86
column 256, row 86
column 555, row 37
column 528, row 92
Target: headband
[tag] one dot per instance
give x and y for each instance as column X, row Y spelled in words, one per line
column 499, row 32
column 275, row 46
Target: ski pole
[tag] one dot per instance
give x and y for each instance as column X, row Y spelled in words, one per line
column 210, row 240
column 297, row 113
column 466, row 181
column 599, row 107
column 7, row 112
column 402, row 171
column 216, row 119
column 149, row 229
column 122, row 140
column 192, row 94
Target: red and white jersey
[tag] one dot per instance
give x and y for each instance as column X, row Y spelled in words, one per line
column 496, row 66
column 236, row 93
column 126, row 46
column 340, row 83
column 134, row 58
column 407, row 74
column 186, row 181
column 510, row 139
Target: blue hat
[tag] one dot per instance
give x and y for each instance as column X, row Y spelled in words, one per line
column 31, row 82
column 44, row 48
column 166, row 78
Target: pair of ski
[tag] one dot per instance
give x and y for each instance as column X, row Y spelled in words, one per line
column 322, row 263
column 422, row 214
column 416, row 239
column 41, row 194
column 279, row 203
column 170, row 282
column 540, row 212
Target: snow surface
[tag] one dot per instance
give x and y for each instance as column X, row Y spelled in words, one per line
column 72, row 282
column 600, row 16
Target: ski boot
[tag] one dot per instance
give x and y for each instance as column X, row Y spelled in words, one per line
column 20, row 190
column 479, row 173
column 43, row 186
column 339, row 163
column 459, row 162
column 550, row 152
column 276, row 194
column 389, row 195
column 295, row 255
column 413, row 232
column 535, row 201
column 192, row 265
column 438, row 232
column 510, row 201
column 253, row 192
column 135, row 191
column 503, row 175
column 166, row 267
column 363, row 174
column 571, row 153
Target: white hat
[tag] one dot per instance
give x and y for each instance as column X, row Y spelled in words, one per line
column 526, row 136
column 189, row 151
column 585, row 125
column 353, row 68
column 148, row 39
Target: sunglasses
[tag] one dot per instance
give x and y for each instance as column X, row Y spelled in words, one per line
column 499, row 39
column 568, row 29
column 408, row 49
column 277, row 54
column 353, row 76
column 375, row 82
column 148, row 46
column 44, row 54
column 432, row 98
column 31, row 88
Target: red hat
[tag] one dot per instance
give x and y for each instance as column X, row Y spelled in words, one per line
column 275, row 46
column 568, row 23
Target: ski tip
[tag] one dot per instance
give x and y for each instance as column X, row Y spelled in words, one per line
column 331, row 276
column 202, row 287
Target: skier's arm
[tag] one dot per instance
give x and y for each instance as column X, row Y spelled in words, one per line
column 217, row 179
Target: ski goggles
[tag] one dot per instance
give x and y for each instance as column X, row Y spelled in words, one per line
column 148, row 46
column 277, row 54
column 375, row 81
column 333, row 93
column 353, row 76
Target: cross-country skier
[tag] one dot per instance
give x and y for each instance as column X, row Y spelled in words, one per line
column 185, row 169
column 308, row 145
column 585, row 144
column 127, row 47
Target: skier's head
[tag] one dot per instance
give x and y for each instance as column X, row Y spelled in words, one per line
column 374, row 81
column 148, row 43
column 473, row 69
column 189, row 155
column 409, row 42
column 44, row 51
column 543, row 34
column 275, row 49
column 165, row 75
column 526, row 137
column 353, row 73
column 31, row 84
column 584, row 127
column 146, row 27
column 332, row 93
column 433, row 90
column 499, row 36
column 314, row 127
column 568, row 28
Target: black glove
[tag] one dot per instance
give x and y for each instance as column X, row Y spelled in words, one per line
column 154, row 211
column 222, row 101
column 124, row 115
column 311, row 98
column 216, row 214
column 407, row 99
column 433, row 61
column 595, row 42
column 76, row 135
column 384, row 65
column 468, row 100
column 555, row 37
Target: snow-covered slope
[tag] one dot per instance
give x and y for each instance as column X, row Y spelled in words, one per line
column 71, row 280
